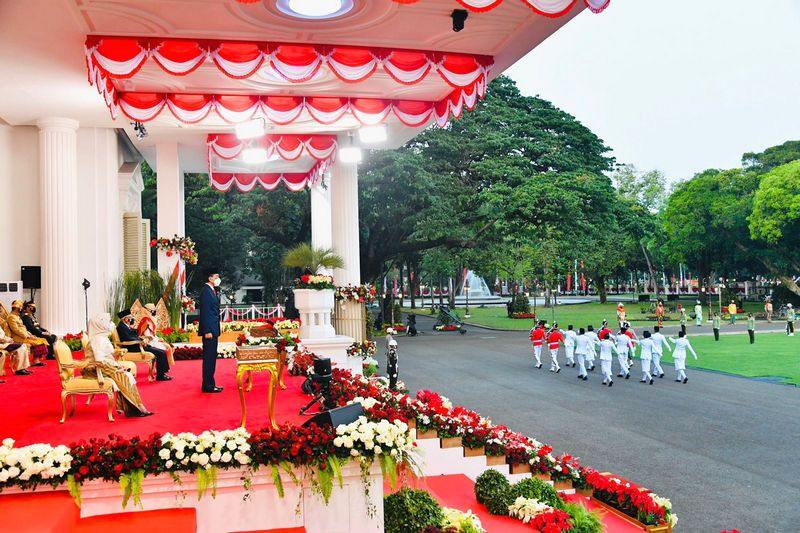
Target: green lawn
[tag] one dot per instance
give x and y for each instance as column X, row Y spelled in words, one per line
column 773, row 355
column 580, row 315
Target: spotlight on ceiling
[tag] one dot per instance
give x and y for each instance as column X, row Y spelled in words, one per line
column 459, row 17
column 350, row 154
column 372, row 134
column 251, row 129
column 254, row 156
column 139, row 130
column 314, row 9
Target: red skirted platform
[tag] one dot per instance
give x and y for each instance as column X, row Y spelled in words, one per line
column 33, row 405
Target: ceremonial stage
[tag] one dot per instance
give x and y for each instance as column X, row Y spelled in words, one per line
column 178, row 405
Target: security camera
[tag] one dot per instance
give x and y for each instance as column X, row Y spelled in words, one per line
column 459, row 16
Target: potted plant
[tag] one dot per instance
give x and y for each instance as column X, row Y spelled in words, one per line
column 314, row 289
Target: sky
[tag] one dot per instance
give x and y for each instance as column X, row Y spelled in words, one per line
column 676, row 85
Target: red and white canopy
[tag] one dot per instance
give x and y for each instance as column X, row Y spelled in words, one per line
column 548, row 8
column 289, row 148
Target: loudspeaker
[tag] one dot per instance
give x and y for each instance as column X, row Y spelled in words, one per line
column 336, row 417
column 31, row 277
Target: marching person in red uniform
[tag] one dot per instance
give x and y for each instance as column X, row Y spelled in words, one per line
column 604, row 329
column 554, row 338
column 537, row 338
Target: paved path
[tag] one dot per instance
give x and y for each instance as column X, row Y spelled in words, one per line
column 724, row 449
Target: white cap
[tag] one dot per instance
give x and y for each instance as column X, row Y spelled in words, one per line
column 390, row 330
column 392, row 342
column 788, row 305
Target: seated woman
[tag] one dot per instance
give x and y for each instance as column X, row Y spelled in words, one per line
column 101, row 354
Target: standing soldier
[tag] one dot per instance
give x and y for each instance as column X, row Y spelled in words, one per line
column 751, row 327
column 698, row 314
column 683, row 319
column 732, row 312
column 621, row 314
column 660, row 312
column 768, row 309
column 715, row 325
column 790, row 316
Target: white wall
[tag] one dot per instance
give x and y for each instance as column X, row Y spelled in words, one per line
column 19, row 200
column 99, row 238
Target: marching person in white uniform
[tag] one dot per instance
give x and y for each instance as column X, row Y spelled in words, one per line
column 698, row 314
column 659, row 341
column 646, row 354
column 569, row 344
column 591, row 351
column 679, row 354
column 582, row 347
column 606, row 347
column 624, row 345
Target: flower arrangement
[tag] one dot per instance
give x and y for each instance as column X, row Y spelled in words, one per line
column 187, row 304
column 191, row 353
column 73, row 341
column 461, row 521
column 369, row 366
column 635, row 501
column 356, row 293
column 173, row 335
column 31, row 465
column 183, row 246
column 362, row 349
column 317, row 282
column 523, row 315
column 300, row 363
column 286, row 324
column 398, row 328
column 281, row 342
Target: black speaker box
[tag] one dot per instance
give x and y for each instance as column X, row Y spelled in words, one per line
column 336, row 417
column 31, row 277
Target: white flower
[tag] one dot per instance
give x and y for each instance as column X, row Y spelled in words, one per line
column 163, row 453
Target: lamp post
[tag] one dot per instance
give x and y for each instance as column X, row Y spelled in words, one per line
column 719, row 291
column 466, row 292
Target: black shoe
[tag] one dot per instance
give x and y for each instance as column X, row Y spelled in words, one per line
column 642, row 381
column 584, row 378
column 40, row 363
column 164, row 377
column 627, row 376
column 686, row 380
column 23, row 372
column 558, row 370
column 539, row 365
column 142, row 414
column 661, row 376
column 677, row 381
column 214, row 390
column 620, row 375
column 651, row 381
column 610, row 383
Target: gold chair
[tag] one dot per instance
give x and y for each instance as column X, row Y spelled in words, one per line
column 72, row 385
column 135, row 357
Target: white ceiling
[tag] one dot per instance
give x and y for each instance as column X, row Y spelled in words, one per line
column 44, row 72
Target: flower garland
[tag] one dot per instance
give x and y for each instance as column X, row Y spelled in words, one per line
column 316, row 282
column 356, row 293
column 183, row 246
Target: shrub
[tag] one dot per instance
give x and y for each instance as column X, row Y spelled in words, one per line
column 538, row 490
column 493, row 490
column 409, row 511
column 583, row 520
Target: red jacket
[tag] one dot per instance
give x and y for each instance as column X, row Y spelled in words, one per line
column 554, row 338
column 537, row 336
column 602, row 333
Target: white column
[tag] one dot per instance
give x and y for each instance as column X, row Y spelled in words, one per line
column 61, row 282
column 169, row 200
column 321, row 231
column 344, row 200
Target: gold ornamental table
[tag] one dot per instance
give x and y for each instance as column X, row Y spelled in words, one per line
column 253, row 359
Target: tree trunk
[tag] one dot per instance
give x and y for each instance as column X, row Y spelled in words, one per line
column 601, row 289
column 441, row 296
column 790, row 284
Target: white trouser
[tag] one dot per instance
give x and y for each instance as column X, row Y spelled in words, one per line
column 590, row 356
column 680, row 368
column 657, row 363
column 605, row 367
column 570, row 352
column 699, row 320
column 554, row 359
column 680, row 374
column 20, row 358
column 646, row 376
column 622, row 358
column 581, row 364
column 537, row 353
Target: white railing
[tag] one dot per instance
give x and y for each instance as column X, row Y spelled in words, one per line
column 230, row 314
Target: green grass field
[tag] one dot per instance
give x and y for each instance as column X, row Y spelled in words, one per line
column 774, row 355
column 577, row 314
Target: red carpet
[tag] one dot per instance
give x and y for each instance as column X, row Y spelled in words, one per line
column 33, row 405
column 458, row 492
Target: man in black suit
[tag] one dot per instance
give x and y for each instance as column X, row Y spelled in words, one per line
column 127, row 334
column 209, row 328
column 33, row 327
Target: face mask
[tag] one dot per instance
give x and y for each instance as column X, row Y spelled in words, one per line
column 217, row 282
